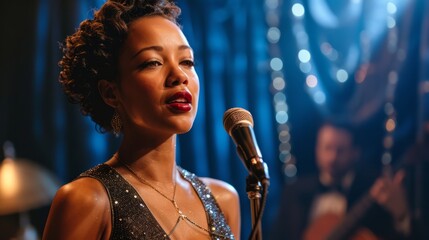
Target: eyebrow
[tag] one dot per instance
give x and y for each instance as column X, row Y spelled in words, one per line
column 158, row 49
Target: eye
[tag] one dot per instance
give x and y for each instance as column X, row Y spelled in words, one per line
column 150, row 64
column 188, row 63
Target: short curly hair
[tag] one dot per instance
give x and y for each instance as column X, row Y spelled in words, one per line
column 91, row 53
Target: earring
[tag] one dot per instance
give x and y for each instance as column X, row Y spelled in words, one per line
column 116, row 124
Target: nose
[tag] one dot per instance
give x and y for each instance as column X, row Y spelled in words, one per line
column 177, row 76
column 331, row 157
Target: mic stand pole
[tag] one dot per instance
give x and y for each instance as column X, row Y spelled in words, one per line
column 253, row 189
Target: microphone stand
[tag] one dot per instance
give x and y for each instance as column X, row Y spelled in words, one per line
column 253, row 189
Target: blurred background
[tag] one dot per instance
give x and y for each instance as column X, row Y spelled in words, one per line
column 292, row 64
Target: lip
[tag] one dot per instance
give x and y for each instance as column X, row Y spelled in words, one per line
column 180, row 101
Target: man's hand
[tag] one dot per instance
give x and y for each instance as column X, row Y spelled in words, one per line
column 389, row 192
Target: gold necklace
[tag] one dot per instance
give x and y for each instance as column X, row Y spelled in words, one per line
column 182, row 216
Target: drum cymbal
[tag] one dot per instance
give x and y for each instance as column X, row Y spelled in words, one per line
column 24, row 185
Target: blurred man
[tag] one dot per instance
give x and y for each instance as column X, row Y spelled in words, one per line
column 342, row 200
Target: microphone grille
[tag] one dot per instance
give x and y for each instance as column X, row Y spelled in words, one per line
column 236, row 116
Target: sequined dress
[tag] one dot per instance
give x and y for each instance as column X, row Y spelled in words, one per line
column 132, row 219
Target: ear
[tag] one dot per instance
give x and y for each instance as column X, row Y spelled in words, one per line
column 108, row 92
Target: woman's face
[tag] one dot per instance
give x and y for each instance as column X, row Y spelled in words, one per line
column 158, row 84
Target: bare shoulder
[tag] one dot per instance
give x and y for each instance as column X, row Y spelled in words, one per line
column 220, row 189
column 82, row 204
column 86, row 191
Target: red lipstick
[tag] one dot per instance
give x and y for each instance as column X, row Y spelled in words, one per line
column 180, row 101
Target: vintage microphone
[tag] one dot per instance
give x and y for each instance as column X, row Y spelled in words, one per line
column 238, row 123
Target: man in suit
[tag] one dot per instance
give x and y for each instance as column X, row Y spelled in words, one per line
column 313, row 206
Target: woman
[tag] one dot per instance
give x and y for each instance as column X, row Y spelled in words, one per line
column 131, row 69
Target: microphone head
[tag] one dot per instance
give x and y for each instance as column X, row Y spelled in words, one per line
column 235, row 117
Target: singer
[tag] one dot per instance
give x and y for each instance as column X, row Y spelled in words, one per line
column 131, row 69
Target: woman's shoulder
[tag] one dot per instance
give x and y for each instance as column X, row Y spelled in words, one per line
column 83, row 189
column 217, row 186
column 81, row 204
column 220, row 189
column 82, row 194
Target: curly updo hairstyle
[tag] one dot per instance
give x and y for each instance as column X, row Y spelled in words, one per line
column 91, row 53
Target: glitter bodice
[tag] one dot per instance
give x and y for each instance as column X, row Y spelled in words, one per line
column 132, row 219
